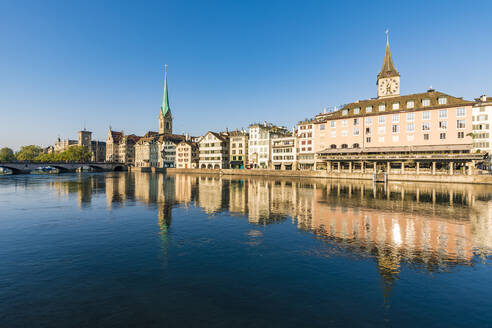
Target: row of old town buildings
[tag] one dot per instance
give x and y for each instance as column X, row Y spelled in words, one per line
column 430, row 130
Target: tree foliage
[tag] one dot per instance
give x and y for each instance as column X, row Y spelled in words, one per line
column 72, row 154
column 6, row 155
column 28, row 153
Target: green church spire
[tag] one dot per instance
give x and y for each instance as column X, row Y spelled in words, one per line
column 165, row 99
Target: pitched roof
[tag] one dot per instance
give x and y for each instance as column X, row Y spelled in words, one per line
column 176, row 138
column 388, row 69
column 116, row 136
column 417, row 98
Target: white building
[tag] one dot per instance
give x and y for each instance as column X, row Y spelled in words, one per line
column 284, row 153
column 260, row 135
column 305, row 147
column 482, row 117
column 214, row 151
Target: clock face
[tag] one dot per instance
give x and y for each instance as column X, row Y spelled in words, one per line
column 388, row 87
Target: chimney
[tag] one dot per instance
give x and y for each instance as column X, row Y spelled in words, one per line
column 483, row 98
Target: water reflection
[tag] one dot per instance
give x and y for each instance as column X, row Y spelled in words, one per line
column 429, row 226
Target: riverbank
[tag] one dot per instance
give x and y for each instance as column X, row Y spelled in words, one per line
column 422, row 177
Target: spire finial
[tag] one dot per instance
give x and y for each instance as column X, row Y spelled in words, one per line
column 387, row 36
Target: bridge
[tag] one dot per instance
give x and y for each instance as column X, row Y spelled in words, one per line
column 27, row 167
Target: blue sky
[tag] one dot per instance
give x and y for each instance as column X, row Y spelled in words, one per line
column 231, row 63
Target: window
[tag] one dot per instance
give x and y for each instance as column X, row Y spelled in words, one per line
column 443, row 100
column 443, row 113
column 382, row 107
column 355, row 145
column 410, row 104
column 460, row 112
column 356, row 110
column 345, row 112
column 410, row 127
column 410, row 117
column 333, row 124
column 425, row 126
column 460, row 124
column 396, row 118
column 333, row 133
column 369, row 109
column 382, row 119
column 344, row 133
column 344, row 123
column 442, row 136
column 356, row 121
column 356, row 131
column 344, row 146
column 443, row 125
column 322, row 127
column 395, row 128
column 381, row 130
column 368, row 131
column 395, row 138
column 396, row 106
column 426, row 115
column 381, row 139
column 368, row 139
column 461, row 135
column 426, row 102
column 426, row 136
column 333, row 146
column 368, row 120
column 410, row 137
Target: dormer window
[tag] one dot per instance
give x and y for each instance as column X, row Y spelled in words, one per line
column 369, row 109
column 426, row 102
column 345, row 112
column 382, row 107
column 356, row 110
column 443, row 100
column 396, row 106
column 410, row 104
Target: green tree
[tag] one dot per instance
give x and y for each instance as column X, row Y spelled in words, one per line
column 76, row 154
column 28, row 153
column 6, row 155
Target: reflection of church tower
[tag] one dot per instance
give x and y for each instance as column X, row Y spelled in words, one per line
column 388, row 79
column 165, row 117
column 165, row 216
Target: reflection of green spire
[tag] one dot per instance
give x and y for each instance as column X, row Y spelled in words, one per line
column 165, row 99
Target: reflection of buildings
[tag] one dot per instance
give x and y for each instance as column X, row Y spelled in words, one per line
column 430, row 225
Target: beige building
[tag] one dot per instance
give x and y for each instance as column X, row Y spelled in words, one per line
column 482, row 123
column 120, row 148
column 214, row 151
column 146, row 151
column 396, row 125
column 97, row 148
column 238, row 152
column 187, row 155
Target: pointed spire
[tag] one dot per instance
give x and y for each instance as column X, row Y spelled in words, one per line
column 388, row 69
column 165, row 100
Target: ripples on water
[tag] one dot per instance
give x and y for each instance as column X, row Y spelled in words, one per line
column 135, row 249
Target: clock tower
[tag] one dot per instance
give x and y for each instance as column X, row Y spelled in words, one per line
column 388, row 79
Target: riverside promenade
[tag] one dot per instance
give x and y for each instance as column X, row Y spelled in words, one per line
column 394, row 175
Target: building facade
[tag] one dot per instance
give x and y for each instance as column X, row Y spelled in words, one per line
column 395, row 125
column 187, row 155
column 305, row 146
column 284, row 152
column 120, row 148
column 482, row 123
column 214, row 151
column 259, row 150
column 238, row 156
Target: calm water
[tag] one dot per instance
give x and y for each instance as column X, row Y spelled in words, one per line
column 143, row 250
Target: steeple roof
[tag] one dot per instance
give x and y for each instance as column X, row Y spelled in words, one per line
column 388, row 69
column 165, row 108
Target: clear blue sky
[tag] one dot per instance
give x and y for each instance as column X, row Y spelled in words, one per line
column 231, row 63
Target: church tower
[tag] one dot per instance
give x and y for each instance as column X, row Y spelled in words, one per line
column 388, row 79
column 165, row 117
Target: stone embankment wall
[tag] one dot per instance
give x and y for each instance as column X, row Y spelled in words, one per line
column 441, row 178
